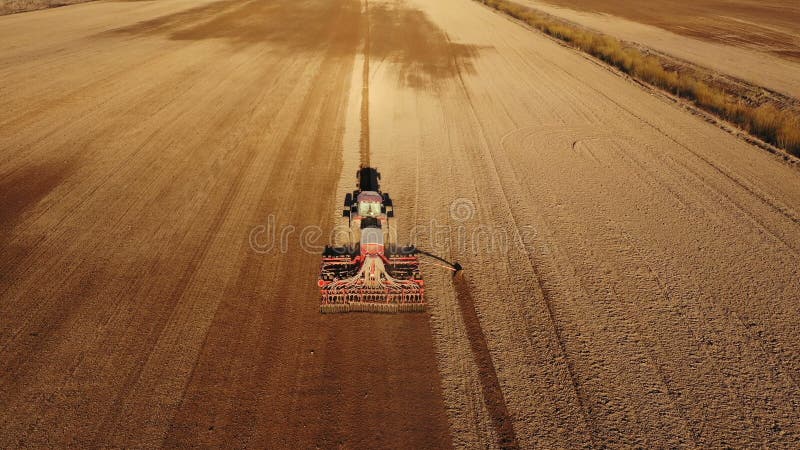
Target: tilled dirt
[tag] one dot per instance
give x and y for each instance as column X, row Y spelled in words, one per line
column 631, row 270
column 136, row 161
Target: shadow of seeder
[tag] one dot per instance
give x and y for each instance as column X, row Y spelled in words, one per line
column 492, row 394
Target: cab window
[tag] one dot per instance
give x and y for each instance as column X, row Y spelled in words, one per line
column 369, row 209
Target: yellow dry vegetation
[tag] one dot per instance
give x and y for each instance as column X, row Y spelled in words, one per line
column 780, row 127
column 18, row 6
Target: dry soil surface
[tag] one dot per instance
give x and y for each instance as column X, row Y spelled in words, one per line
column 631, row 270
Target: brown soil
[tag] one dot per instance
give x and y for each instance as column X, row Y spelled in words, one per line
column 649, row 299
column 492, row 392
column 138, row 314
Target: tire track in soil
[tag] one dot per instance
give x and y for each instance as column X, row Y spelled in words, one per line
column 493, row 397
column 492, row 392
column 546, row 297
column 364, row 142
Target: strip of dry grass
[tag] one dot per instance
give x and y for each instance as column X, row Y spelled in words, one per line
column 18, row 6
column 779, row 127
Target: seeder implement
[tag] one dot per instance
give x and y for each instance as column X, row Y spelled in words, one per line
column 370, row 276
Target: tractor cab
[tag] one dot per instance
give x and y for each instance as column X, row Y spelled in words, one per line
column 367, row 206
column 370, row 204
